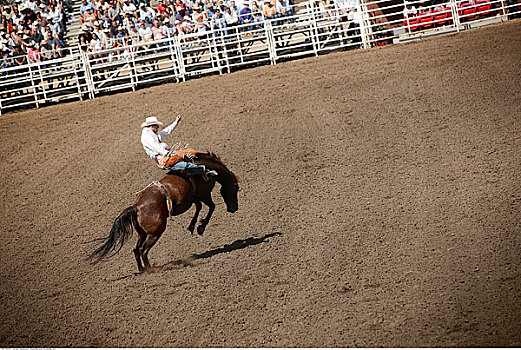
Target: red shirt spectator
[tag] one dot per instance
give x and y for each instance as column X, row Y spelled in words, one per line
column 162, row 8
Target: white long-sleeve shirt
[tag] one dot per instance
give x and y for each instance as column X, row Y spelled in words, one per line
column 152, row 142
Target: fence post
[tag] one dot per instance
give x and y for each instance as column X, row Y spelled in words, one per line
column 455, row 14
column 364, row 27
column 173, row 58
column 29, row 64
column 180, row 59
column 74, row 66
column 313, row 31
column 41, row 80
column 503, row 8
column 270, row 41
column 88, row 75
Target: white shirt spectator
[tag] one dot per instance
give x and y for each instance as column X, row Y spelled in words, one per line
column 96, row 45
column 129, row 7
column 145, row 33
column 54, row 16
column 231, row 18
column 146, row 13
column 30, row 5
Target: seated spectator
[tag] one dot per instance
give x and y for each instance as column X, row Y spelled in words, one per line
column 246, row 17
column 128, row 21
column 122, row 39
column 256, row 12
column 31, row 5
column 19, row 56
column 209, row 11
column 198, row 6
column 231, row 18
column 283, row 8
column 163, row 9
column 178, row 27
column 156, row 31
column 95, row 47
column 180, row 8
column 16, row 36
column 145, row 34
column 269, row 11
column 234, row 7
column 97, row 29
column 84, row 37
column 165, row 28
column 219, row 22
column 114, row 15
column 32, row 52
column 106, row 40
column 83, row 10
column 89, row 18
column 36, row 35
column 221, row 6
column 146, row 12
column 154, row 4
column 55, row 17
column 102, row 5
column 103, row 17
column 201, row 27
column 26, row 40
column 133, row 36
column 46, row 53
column 187, row 25
column 129, row 7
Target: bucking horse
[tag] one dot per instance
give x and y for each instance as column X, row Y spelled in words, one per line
column 172, row 195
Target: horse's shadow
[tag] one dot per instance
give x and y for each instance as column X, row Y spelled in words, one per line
column 238, row 244
column 190, row 261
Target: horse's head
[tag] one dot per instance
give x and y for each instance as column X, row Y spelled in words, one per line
column 229, row 182
column 229, row 192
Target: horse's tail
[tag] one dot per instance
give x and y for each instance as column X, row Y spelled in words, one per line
column 121, row 230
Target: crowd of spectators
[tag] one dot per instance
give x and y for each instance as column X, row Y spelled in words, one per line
column 31, row 30
column 116, row 23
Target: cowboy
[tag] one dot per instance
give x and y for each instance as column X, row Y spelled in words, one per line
column 151, row 139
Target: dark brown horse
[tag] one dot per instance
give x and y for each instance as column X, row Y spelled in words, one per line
column 148, row 215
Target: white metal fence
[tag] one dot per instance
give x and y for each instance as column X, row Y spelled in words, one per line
column 312, row 29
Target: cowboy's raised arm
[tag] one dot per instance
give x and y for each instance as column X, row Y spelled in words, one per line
column 168, row 130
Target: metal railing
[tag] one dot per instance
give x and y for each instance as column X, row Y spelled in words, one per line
column 311, row 29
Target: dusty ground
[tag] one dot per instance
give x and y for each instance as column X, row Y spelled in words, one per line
column 380, row 206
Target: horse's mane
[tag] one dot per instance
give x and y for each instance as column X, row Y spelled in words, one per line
column 210, row 155
column 214, row 157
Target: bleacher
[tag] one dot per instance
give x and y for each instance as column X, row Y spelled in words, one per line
column 314, row 28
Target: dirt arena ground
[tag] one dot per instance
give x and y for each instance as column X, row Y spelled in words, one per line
column 380, row 206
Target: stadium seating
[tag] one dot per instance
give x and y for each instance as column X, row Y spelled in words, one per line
column 483, row 7
column 442, row 16
column 467, row 11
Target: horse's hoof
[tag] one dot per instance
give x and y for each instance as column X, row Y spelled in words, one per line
column 200, row 230
column 191, row 229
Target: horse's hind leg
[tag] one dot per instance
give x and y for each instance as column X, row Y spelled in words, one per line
column 198, row 207
column 145, row 248
column 137, row 252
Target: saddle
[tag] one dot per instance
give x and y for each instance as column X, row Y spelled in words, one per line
column 185, row 154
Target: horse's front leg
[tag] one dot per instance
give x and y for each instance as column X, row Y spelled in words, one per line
column 206, row 220
column 198, row 207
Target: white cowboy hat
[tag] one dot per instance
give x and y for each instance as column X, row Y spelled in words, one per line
column 151, row 121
